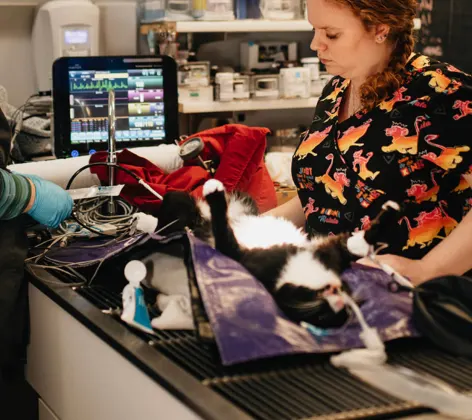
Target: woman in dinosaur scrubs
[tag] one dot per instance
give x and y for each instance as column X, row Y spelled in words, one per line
column 391, row 125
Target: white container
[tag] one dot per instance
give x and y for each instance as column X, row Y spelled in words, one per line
column 280, row 9
column 217, row 10
column 295, row 82
column 224, row 86
column 194, row 73
column 265, row 86
column 313, row 63
column 179, row 10
column 241, row 87
column 194, row 93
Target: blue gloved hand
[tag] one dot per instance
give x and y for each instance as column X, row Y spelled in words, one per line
column 51, row 204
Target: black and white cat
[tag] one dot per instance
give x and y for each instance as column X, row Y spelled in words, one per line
column 303, row 274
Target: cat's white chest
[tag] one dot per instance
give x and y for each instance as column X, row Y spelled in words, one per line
column 266, row 231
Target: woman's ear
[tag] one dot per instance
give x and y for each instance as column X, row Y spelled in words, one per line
column 381, row 33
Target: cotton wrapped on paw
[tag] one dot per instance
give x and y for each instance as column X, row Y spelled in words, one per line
column 357, row 245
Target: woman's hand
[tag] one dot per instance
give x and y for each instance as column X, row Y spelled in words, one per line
column 415, row 270
column 50, row 204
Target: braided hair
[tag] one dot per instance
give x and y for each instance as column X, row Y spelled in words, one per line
column 398, row 15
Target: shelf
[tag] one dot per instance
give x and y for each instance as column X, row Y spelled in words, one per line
column 246, row 25
column 30, row 3
column 190, row 107
column 249, row 25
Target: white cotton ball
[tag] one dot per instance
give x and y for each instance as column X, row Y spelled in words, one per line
column 145, row 222
column 212, row 186
column 176, row 314
column 357, row 245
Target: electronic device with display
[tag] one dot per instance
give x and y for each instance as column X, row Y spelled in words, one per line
column 63, row 29
column 146, row 104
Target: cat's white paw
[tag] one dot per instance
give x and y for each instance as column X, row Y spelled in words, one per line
column 357, row 245
column 211, row 186
column 391, row 204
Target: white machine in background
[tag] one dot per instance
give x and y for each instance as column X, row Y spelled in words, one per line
column 118, row 27
column 63, row 28
column 263, row 54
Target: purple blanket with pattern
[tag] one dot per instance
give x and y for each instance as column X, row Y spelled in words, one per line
column 248, row 325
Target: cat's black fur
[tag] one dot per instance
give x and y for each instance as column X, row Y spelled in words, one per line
column 298, row 301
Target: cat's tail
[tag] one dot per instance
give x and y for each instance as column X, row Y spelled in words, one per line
column 225, row 241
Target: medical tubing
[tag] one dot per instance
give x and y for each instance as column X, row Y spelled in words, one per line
column 91, row 165
column 130, row 173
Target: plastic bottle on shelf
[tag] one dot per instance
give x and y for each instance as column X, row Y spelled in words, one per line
column 240, row 9
column 313, row 63
column 224, row 86
column 198, row 8
column 253, row 9
column 153, row 10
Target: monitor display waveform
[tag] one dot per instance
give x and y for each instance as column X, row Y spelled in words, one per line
column 99, row 85
column 139, row 105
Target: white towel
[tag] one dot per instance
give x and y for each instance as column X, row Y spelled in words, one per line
column 176, row 313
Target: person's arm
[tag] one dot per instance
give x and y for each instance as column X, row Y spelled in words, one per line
column 445, row 131
column 50, row 203
column 15, row 195
column 44, row 201
column 291, row 210
column 453, row 255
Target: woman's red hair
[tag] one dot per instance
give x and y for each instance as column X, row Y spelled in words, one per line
column 398, row 15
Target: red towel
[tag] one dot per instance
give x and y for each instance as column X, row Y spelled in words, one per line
column 239, row 150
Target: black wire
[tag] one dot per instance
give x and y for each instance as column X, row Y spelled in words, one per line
column 108, row 164
column 35, row 115
column 91, row 165
column 19, row 110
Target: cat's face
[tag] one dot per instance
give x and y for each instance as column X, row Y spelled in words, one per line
column 309, row 286
column 305, row 269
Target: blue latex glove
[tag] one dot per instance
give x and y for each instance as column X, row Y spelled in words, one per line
column 51, row 204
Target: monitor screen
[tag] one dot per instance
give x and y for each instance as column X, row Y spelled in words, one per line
column 145, row 103
column 139, row 105
column 76, row 36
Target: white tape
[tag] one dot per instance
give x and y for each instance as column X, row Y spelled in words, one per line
column 95, row 191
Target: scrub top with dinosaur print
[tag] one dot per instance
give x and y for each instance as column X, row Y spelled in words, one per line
column 412, row 148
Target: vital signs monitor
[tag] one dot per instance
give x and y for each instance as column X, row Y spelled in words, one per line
column 146, row 102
